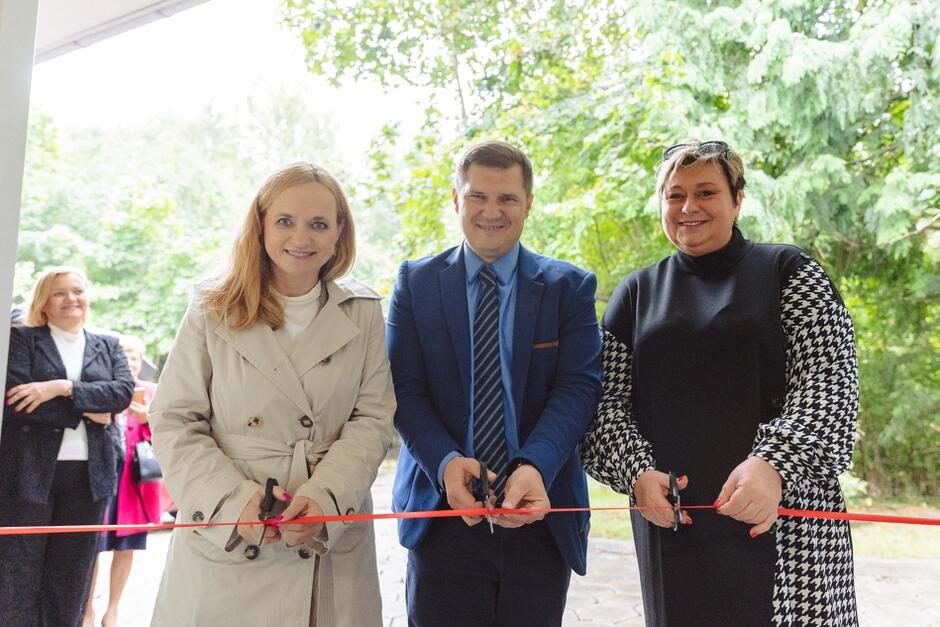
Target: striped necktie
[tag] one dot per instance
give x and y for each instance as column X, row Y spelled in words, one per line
column 489, row 434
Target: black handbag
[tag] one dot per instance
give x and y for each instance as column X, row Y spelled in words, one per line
column 145, row 464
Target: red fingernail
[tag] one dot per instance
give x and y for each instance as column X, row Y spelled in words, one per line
column 715, row 504
column 753, row 533
column 278, row 518
column 287, row 496
column 683, row 478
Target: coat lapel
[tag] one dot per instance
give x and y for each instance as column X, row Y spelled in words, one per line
column 453, row 282
column 258, row 345
column 529, row 288
column 46, row 345
column 93, row 346
column 330, row 331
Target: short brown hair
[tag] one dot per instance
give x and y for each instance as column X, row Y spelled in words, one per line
column 694, row 152
column 244, row 296
column 494, row 154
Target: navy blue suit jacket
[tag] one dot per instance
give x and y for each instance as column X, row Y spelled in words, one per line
column 29, row 443
column 556, row 382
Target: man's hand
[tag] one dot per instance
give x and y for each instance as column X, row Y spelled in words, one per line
column 458, row 473
column 28, row 396
column 752, row 494
column 297, row 534
column 525, row 489
column 650, row 492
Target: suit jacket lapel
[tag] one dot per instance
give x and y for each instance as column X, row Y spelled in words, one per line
column 46, row 345
column 453, row 282
column 529, row 288
column 258, row 345
column 93, row 346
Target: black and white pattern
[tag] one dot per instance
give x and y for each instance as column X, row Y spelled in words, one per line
column 613, row 450
column 810, row 445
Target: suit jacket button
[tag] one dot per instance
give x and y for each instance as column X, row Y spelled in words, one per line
column 306, row 422
column 197, row 516
column 326, row 360
column 254, row 421
column 304, row 554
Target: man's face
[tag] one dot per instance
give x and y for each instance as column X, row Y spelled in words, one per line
column 493, row 206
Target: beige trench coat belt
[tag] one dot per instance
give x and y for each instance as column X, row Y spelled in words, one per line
column 305, row 455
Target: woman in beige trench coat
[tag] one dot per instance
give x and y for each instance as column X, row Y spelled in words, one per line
column 278, row 370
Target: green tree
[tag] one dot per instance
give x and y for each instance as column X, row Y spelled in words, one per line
column 834, row 105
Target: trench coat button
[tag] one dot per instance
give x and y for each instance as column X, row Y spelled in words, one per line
column 306, row 422
column 252, row 551
column 26, row 428
column 304, row 554
column 254, row 421
column 326, row 360
column 197, row 516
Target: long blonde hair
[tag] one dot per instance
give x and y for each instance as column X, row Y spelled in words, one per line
column 36, row 317
column 243, row 296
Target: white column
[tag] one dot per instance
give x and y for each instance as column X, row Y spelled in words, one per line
column 17, row 43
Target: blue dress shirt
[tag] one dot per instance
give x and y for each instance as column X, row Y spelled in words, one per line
column 505, row 270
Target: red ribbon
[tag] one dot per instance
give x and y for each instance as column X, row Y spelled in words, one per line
column 448, row 513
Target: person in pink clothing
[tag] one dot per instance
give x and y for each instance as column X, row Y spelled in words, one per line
column 135, row 503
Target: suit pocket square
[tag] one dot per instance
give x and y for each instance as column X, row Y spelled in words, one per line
column 552, row 344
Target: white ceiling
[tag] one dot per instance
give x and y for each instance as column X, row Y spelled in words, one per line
column 65, row 25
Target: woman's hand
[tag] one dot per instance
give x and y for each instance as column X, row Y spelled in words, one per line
column 752, row 494
column 29, row 396
column 650, row 492
column 101, row 419
column 252, row 513
column 299, row 533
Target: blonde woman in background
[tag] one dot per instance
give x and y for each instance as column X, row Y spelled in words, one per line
column 279, row 370
column 59, row 451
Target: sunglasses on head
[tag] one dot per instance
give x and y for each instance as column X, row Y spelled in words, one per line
column 705, row 148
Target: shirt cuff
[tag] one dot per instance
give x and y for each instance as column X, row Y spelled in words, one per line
column 440, row 469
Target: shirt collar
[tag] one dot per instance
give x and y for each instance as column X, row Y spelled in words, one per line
column 504, row 267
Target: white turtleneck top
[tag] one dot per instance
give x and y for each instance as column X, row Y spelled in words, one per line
column 72, row 351
column 299, row 313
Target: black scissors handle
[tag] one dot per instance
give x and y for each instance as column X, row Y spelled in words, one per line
column 252, row 551
column 482, row 492
column 675, row 500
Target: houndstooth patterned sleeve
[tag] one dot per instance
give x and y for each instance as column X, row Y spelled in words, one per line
column 613, row 451
column 812, row 439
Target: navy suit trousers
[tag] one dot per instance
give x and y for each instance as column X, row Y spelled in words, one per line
column 464, row 576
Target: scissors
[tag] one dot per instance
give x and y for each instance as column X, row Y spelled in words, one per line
column 675, row 500
column 482, row 493
column 252, row 551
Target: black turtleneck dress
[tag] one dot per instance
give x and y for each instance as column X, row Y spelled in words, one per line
column 709, row 360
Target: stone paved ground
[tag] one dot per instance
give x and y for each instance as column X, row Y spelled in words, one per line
column 891, row 592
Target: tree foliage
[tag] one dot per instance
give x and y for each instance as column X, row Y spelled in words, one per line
column 834, row 105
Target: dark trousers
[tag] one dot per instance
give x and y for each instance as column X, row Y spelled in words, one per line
column 44, row 579
column 460, row 575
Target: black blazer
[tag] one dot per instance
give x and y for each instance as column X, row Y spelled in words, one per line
column 29, row 443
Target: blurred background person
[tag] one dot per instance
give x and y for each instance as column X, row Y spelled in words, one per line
column 17, row 316
column 136, row 502
column 60, row 452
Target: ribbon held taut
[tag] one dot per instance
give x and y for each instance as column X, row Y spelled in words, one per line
column 450, row 513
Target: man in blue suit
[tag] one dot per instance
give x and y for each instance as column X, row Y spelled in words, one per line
column 496, row 357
